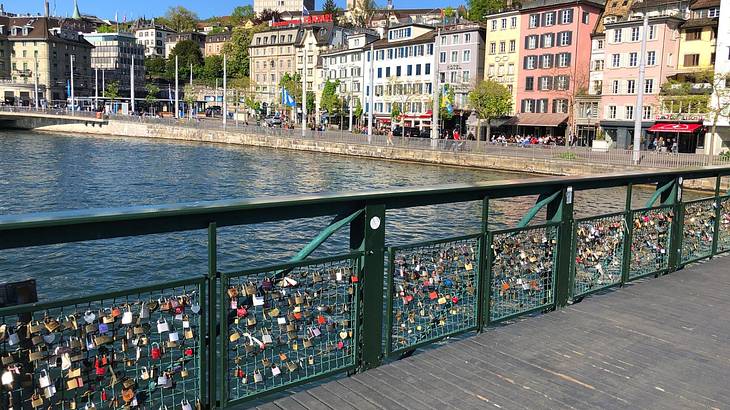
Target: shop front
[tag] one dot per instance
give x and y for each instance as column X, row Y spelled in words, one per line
column 680, row 136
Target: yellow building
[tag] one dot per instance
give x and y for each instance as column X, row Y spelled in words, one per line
column 699, row 37
column 502, row 60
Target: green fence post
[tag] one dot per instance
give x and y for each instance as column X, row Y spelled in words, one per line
column 628, row 235
column 562, row 211
column 211, row 346
column 673, row 197
column 718, row 215
column 367, row 233
column 484, row 261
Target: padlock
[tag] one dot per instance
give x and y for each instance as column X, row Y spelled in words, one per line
column 162, row 325
column 155, row 352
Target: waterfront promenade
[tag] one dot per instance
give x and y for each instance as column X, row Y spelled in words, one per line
column 656, row 344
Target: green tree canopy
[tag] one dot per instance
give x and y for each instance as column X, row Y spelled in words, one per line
column 241, row 14
column 479, row 9
column 329, row 101
column 180, row 19
column 152, row 92
column 236, row 50
column 490, row 100
column 155, row 67
column 188, row 52
column 212, row 69
column 112, row 90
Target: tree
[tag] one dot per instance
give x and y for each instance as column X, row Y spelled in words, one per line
column 490, row 100
column 155, row 67
column 112, row 91
column 188, row 52
column 394, row 112
column 212, row 69
column 479, row 9
column 236, row 50
column 358, row 111
column 106, row 29
column 242, row 14
column 292, row 83
column 152, row 92
column 329, row 101
column 330, row 7
column 180, row 19
column 362, row 13
column 189, row 95
column 267, row 15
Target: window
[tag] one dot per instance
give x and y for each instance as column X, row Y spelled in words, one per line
column 649, row 86
column 454, row 56
column 454, row 77
column 541, row 105
column 529, row 83
column 397, row 71
column 467, row 37
column 560, row 105
column 615, row 87
column 387, row 72
column 713, row 12
column 528, row 105
column 492, row 48
column 545, row 83
column 629, row 115
column 566, row 16
column 565, row 38
column 513, row 22
column 442, row 57
column 564, row 60
column 455, row 39
column 598, row 65
column 511, row 69
column 512, row 46
column 430, row 49
column 380, row 72
column 547, row 40
column 398, row 34
column 586, row 17
column 612, row 112
column 691, row 60
column 646, row 114
column 633, row 59
column 548, row 18
column 652, row 32
column 531, row 42
column 465, row 76
column 467, row 56
column 631, row 86
column 494, row 25
column 617, row 35
column 651, row 58
column 562, row 82
column 503, row 24
column 534, row 20
column 546, row 61
column 409, row 69
column 530, row 62
column 418, row 69
column 502, row 47
column 491, row 70
column 694, row 34
column 634, row 34
column 615, row 60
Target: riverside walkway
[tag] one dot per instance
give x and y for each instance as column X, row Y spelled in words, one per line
column 659, row 343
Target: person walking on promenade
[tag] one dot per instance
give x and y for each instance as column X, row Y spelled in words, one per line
column 390, row 137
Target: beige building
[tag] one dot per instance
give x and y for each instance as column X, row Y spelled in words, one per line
column 282, row 5
column 502, row 59
column 36, row 47
column 214, row 44
column 271, row 55
column 152, row 36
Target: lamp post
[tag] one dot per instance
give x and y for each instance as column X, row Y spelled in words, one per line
column 225, row 90
column 639, row 111
column 36, row 83
column 73, row 109
column 177, row 90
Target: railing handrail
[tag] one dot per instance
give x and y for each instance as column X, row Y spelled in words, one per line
column 36, row 228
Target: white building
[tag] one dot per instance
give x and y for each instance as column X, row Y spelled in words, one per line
column 404, row 74
column 350, row 66
column 152, row 36
column 282, row 5
column 722, row 68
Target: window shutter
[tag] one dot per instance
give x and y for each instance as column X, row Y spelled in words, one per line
column 570, row 37
column 560, row 17
column 542, row 41
column 527, row 39
column 524, row 63
column 568, row 55
column 570, row 15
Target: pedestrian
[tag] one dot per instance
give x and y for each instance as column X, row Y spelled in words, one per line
column 390, row 137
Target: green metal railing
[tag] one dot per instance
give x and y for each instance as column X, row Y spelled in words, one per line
column 240, row 335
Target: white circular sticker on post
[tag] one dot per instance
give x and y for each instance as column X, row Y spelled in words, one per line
column 375, row 222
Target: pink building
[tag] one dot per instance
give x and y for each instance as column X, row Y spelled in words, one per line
column 621, row 66
column 555, row 51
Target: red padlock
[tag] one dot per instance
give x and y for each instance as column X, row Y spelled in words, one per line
column 189, row 351
column 103, row 395
column 104, row 360
column 100, row 369
column 321, row 320
column 340, row 345
column 454, row 299
column 241, row 311
column 179, row 309
column 355, row 279
column 239, row 373
column 155, row 352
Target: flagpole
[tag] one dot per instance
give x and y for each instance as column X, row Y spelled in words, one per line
column 131, row 85
column 96, row 88
column 304, row 91
column 371, row 98
column 177, row 90
column 436, row 89
column 73, row 109
column 225, row 102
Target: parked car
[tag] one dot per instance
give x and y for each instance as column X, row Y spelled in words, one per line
column 273, row 121
column 214, row 111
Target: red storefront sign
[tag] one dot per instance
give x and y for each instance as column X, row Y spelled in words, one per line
column 320, row 18
column 674, row 127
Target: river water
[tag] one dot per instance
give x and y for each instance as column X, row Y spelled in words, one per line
column 44, row 172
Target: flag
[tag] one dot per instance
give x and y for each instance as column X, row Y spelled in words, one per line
column 169, row 92
column 287, row 99
column 305, row 12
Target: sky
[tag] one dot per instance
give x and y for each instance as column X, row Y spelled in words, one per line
column 136, row 8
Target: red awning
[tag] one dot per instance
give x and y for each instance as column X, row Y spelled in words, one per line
column 674, row 127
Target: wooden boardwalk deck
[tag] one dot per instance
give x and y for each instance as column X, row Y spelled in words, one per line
column 656, row 344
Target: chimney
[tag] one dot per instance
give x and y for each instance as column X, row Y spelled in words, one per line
column 47, row 9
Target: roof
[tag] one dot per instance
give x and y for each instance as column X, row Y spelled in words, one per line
column 698, row 23
column 538, row 4
column 538, row 119
column 704, row 4
column 617, row 8
column 423, row 38
column 648, row 4
column 218, row 38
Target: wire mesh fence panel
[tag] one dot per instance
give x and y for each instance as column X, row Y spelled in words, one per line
column 139, row 348
column 600, row 243
column 522, row 272
column 432, row 291
column 698, row 229
column 650, row 242
column 723, row 241
column 287, row 324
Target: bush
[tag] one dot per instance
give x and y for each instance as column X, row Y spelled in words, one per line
column 725, row 155
column 569, row 156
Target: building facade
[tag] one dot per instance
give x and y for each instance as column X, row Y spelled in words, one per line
column 502, row 54
column 555, row 49
column 173, row 39
column 282, row 5
column 699, row 37
column 460, row 61
column 152, row 36
column 214, row 44
column 112, row 59
column 271, row 56
column 620, row 75
column 720, row 140
column 404, row 76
